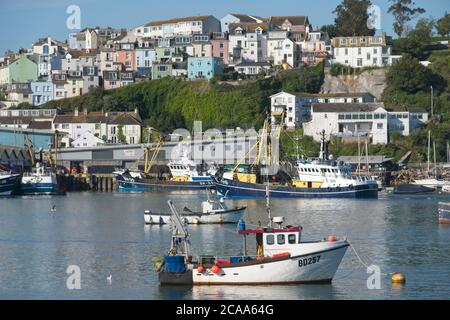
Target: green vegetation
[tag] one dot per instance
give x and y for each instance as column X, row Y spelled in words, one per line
column 351, row 18
column 403, row 12
column 338, row 69
column 120, row 135
column 408, row 85
column 169, row 103
column 443, row 25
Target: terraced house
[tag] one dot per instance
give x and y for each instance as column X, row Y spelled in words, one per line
column 178, row 26
column 367, row 51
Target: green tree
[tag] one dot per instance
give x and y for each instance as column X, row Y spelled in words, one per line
column 351, row 18
column 443, row 25
column 410, row 76
column 423, row 31
column 403, row 12
column 120, row 135
column 409, row 46
column 330, row 29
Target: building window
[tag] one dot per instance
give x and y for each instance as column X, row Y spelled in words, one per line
column 379, row 126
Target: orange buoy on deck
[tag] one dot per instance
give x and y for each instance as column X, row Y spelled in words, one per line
column 215, row 269
column 398, row 278
column 331, row 239
column 200, row 269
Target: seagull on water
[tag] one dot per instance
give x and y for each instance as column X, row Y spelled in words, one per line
column 109, row 279
column 53, row 209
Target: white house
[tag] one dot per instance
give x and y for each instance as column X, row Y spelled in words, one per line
column 371, row 120
column 281, row 49
column 48, row 46
column 364, row 51
column 238, row 18
column 287, row 107
column 104, row 125
column 252, row 68
column 87, row 139
column 297, row 105
column 405, row 122
column 178, row 26
column 248, row 42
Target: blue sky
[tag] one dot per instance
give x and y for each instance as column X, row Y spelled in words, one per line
column 24, row 21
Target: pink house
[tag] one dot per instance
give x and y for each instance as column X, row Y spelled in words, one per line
column 220, row 43
column 126, row 55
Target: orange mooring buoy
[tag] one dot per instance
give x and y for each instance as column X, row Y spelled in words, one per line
column 331, row 239
column 398, row 278
column 215, row 269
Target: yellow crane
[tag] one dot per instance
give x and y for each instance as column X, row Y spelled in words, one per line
column 150, row 162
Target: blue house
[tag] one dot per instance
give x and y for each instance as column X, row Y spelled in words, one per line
column 204, row 67
column 42, row 92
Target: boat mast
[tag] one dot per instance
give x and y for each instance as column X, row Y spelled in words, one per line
column 434, row 155
column 428, row 152
column 367, row 158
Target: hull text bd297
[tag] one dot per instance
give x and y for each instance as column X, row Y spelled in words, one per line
column 238, row 189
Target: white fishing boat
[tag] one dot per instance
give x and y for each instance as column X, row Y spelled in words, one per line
column 280, row 258
column 212, row 212
column 42, row 180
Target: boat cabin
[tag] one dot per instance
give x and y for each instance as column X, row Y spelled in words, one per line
column 271, row 242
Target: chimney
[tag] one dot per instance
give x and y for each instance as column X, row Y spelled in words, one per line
column 85, row 111
column 136, row 111
column 76, row 112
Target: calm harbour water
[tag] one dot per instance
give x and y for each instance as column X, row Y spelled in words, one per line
column 104, row 233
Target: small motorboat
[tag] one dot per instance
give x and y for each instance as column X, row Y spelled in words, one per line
column 280, row 258
column 212, row 212
column 412, row 189
column 446, row 189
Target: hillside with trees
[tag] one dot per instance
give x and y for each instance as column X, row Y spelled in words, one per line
column 170, row 103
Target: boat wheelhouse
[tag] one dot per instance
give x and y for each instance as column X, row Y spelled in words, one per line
column 185, row 169
column 320, row 173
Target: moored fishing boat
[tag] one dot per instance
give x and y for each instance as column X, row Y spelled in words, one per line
column 316, row 178
column 42, row 181
column 184, row 176
column 281, row 258
column 9, row 182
